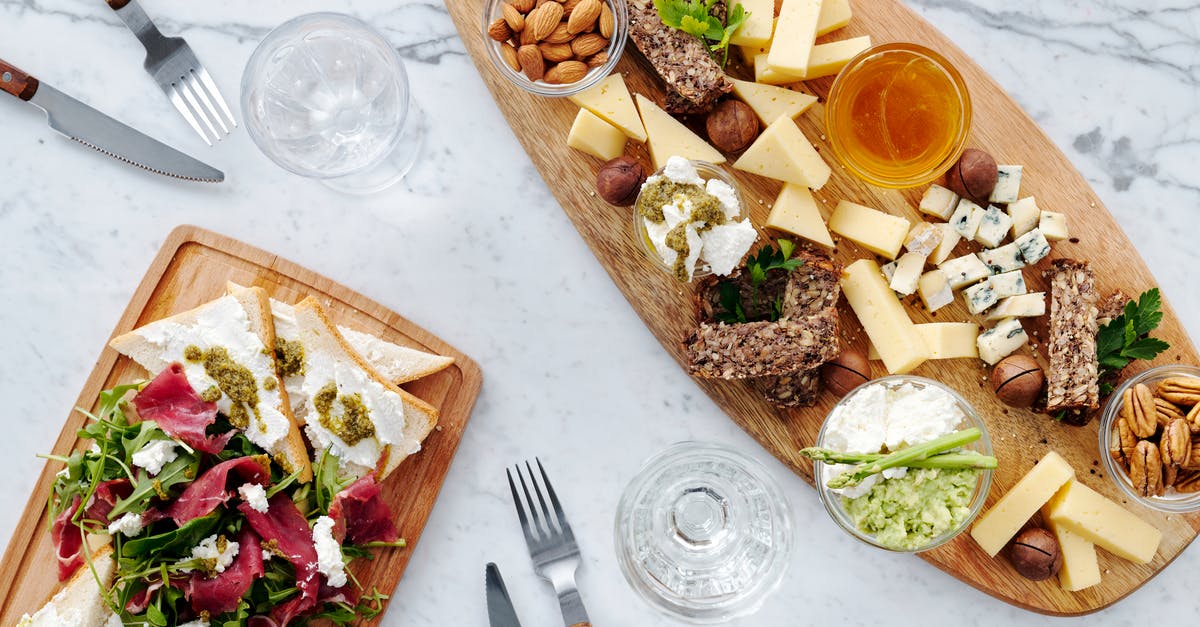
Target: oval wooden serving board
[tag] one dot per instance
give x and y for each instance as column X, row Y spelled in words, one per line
column 1021, row 437
column 193, row 267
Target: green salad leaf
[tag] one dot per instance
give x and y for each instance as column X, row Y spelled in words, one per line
column 695, row 17
column 768, row 259
column 1127, row 337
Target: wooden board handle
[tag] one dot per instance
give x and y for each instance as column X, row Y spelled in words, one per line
column 582, row 625
column 16, row 82
column 117, row 4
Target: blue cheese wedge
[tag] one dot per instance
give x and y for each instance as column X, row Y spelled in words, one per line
column 980, row 296
column 945, row 248
column 923, row 238
column 935, row 290
column 1008, row 284
column 938, row 202
column 1053, row 226
column 1022, row 306
column 907, row 273
column 1001, row 340
column 1003, row 259
column 1033, row 246
column 889, row 270
column 1024, row 215
column 1008, row 184
column 963, row 271
column 966, row 218
column 993, row 227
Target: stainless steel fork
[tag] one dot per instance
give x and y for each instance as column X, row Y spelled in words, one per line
column 550, row 540
column 179, row 73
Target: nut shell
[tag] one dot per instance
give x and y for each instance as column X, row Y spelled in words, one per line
column 620, row 180
column 1017, row 381
column 849, row 370
column 732, row 126
column 974, row 176
column 1035, row 554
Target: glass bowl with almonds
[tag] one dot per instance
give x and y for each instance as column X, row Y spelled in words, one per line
column 555, row 48
column 1150, row 438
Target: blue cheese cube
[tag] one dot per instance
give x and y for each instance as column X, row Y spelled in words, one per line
column 907, row 273
column 923, row 239
column 889, row 270
column 963, row 271
column 935, row 290
column 1053, row 226
column 1033, row 246
column 1004, row 259
column 1023, row 306
column 1001, row 340
column 1008, row 284
column 1008, row 184
column 938, row 202
column 993, row 227
column 966, row 218
column 980, row 296
column 1024, row 215
column 945, row 248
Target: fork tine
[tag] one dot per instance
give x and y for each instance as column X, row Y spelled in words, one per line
column 558, row 510
column 211, row 86
column 194, row 83
column 550, row 527
column 181, row 106
column 186, row 89
column 543, row 531
column 529, row 539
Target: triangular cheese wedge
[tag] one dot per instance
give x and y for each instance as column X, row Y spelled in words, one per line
column 80, row 602
column 770, row 102
column 610, row 100
column 795, row 211
column 834, row 15
column 668, row 137
column 782, row 152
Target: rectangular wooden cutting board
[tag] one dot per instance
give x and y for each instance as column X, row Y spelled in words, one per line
column 193, row 267
column 1002, row 128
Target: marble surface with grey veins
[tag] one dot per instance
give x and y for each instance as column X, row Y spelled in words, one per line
column 473, row 246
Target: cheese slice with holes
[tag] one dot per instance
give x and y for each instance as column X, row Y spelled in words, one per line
column 829, row 58
column 795, row 211
column 1103, row 522
column 668, row 137
column 610, row 100
column 883, row 317
column 591, row 134
column 950, row 340
column 759, row 24
column 834, row 14
column 798, row 29
column 879, row 232
column 770, row 102
column 1080, row 568
column 999, row 524
column 782, row 152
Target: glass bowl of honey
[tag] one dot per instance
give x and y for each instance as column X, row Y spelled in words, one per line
column 898, row 115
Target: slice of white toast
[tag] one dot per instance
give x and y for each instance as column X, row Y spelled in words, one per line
column 365, row 420
column 79, row 603
column 223, row 345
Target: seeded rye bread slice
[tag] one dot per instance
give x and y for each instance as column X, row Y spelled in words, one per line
column 79, row 602
column 694, row 80
column 1110, row 307
column 1072, row 382
column 154, row 357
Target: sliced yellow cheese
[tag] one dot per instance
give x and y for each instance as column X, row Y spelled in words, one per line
column 797, row 32
column 883, row 317
column 1080, row 569
column 767, row 74
column 748, row 53
column 795, row 211
column 872, row 352
column 610, row 100
column 950, row 340
column 591, row 134
column 829, row 59
column 668, row 137
column 1103, row 522
column 998, row 525
column 879, row 232
column 834, row 14
column 759, row 24
column 782, row 152
column 769, row 102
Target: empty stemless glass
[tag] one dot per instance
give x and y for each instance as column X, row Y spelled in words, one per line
column 703, row 533
column 326, row 96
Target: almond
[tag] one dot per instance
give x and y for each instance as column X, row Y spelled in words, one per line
column 500, row 30
column 569, row 6
column 527, row 37
column 608, row 22
column 584, row 16
column 588, row 44
column 531, row 62
column 509, row 54
column 524, row 6
column 566, row 72
column 543, row 19
column 596, row 60
column 559, row 35
column 513, row 17
column 556, row 52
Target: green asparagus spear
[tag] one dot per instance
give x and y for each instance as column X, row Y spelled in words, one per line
column 905, row 457
column 946, row 461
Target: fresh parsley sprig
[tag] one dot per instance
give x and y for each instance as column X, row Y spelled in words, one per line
column 695, row 18
column 768, row 259
column 1126, row 337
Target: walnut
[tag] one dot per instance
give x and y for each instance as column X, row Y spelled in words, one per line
column 620, row 180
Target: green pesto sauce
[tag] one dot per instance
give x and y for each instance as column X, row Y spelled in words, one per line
column 270, row 383
column 354, row 424
column 233, row 380
column 908, row 513
column 193, row 353
column 290, row 356
column 211, row 395
column 677, row 241
column 706, row 209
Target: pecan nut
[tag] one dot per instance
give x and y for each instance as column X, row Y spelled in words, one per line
column 1176, row 443
column 1193, row 461
column 1170, row 476
column 1114, row 446
column 1166, row 411
column 1139, row 408
column 1188, row 481
column 1193, row 418
column 1127, row 439
column 1145, row 469
column 1180, row 390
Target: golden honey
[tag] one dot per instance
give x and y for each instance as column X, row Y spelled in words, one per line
column 898, row 115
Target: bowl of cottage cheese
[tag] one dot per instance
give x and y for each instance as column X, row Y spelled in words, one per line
column 902, row 509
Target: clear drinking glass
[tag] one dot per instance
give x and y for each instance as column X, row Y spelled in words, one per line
column 703, row 533
column 326, row 96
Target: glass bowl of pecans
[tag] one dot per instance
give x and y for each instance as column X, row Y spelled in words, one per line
column 555, row 48
column 1150, row 438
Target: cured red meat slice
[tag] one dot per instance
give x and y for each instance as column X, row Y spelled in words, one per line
column 222, row 592
column 68, row 541
column 105, row 498
column 171, row 402
column 361, row 515
column 285, row 532
column 210, row 489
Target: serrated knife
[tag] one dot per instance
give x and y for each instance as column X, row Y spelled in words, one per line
column 96, row 130
column 499, row 605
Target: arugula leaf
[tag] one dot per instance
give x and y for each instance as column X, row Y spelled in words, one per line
column 173, row 541
column 182, row 469
column 1125, row 338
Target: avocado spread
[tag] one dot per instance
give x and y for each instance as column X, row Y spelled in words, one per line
column 233, row 380
column 354, row 424
column 908, row 513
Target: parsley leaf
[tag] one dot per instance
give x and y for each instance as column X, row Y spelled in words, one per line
column 695, row 18
column 1124, row 338
column 767, row 260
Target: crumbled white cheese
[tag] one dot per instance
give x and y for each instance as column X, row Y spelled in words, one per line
column 681, row 171
column 920, row 414
column 728, row 196
column 329, row 552
column 726, row 244
column 130, row 524
column 385, row 410
column 199, row 622
column 155, row 455
column 208, row 550
column 114, row 620
column 255, row 496
column 267, row 555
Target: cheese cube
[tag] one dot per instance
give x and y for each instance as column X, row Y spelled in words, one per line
column 1033, row 246
column 963, row 271
column 829, row 58
column 938, row 202
column 782, row 152
column 993, row 228
column 834, row 15
column 1003, row 259
column 998, row 525
column 1021, row 306
column 878, row 232
column 1001, row 340
column 950, row 340
column 883, row 317
column 668, row 137
column 1080, row 569
column 1008, row 184
column 923, row 239
column 591, row 134
column 888, row 270
column 798, row 20
column 610, row 100
column 980, row 296
column 1106, row 524
column 935, row 290
column 1008, row 284
column 966, row 218
column 796, row 212
column 766, row 74
column 759, row 24
column 945, row 248
column 1053, row 226
column 1024, row 214
column 908, row 272
column 771, row 103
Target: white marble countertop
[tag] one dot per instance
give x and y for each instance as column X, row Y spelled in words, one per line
column 473, row 246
